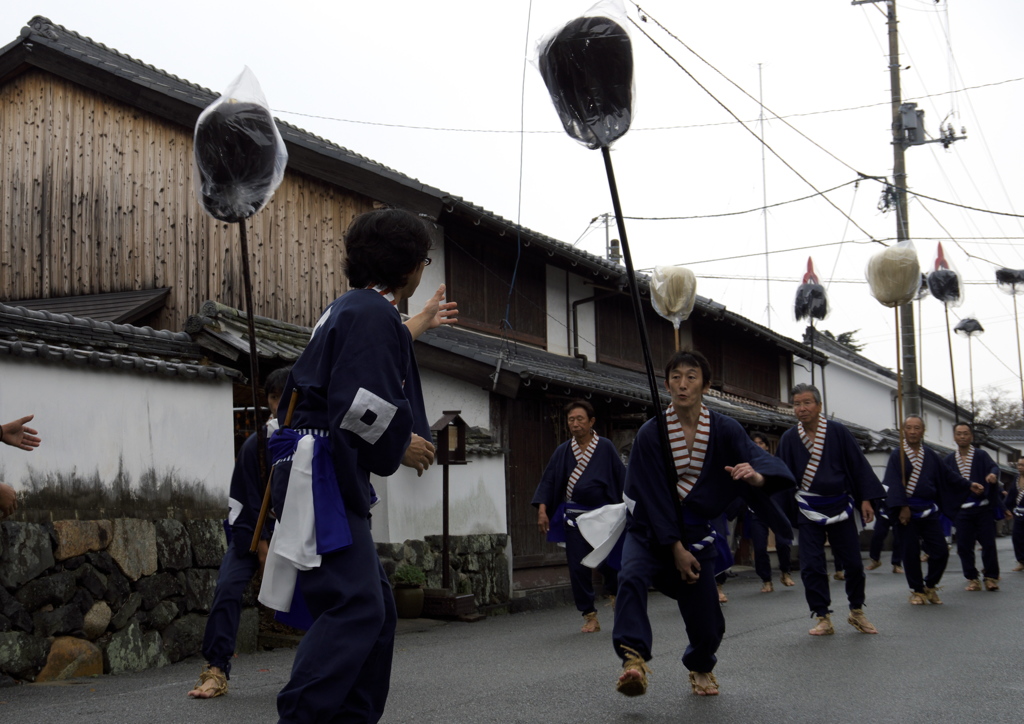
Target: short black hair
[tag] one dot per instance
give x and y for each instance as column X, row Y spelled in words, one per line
column 583, row 405
column 690, row 358
column 963, row 424
column 384, row 247
column 276, row 381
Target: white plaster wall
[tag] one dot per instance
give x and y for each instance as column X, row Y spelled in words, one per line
column 433, row 276
column 411, row 506
column 559, row 341
column 90, row 418
column 586, row 316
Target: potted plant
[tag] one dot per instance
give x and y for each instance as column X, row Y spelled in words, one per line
column 408, row 585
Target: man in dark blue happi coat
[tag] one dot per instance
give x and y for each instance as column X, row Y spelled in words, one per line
column 920, row 487
column 670, row 542
column 835, row 482
column 584, row 473
column 360, row 411
column 238, row 566
column 976, row 521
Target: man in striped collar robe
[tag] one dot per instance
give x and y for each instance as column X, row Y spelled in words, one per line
column 835, row 481
column 584, row 473
column 976, row 520
column 1015, row 511
column 917, row 494
column 669, row 541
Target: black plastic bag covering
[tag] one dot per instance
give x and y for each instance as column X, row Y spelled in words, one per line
column 587, row 67
column 944, row 283
column 1010, row 281
column 239, row 154
column 968, row 326
column 811, row 300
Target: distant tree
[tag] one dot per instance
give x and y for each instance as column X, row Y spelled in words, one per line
column 846, row 339
column 999, row 409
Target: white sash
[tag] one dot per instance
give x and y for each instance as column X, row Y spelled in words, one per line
column 917, row 462
column 815, row 447
column 689, row 461
column 582, row 459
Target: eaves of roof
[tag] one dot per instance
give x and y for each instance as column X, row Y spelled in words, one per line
column 835, row 349
column 117, row 307
column 610, row 273
column 45, row 336
column 51, row 47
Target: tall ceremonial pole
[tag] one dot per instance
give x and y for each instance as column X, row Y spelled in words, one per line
column 240, row 159
column 587, row 67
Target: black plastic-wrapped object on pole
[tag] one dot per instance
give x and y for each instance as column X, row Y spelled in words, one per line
column 240, row 159
column 587, row 67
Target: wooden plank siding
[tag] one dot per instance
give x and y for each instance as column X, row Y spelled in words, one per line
column 97, row 196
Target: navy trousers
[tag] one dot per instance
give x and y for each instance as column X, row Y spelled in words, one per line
column 762, row 561
column 580, row 576
column 882, row 528
column 813, row 571
column 924, row 534
column 236, row 571
column 642, row 568
column 342, row 668
column 977, row 525
column 1017, row 536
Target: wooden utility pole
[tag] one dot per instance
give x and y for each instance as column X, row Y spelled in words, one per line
column 907, row 130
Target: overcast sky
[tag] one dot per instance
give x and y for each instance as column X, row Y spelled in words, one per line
column 446, row 92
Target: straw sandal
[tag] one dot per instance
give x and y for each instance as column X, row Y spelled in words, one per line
column 786, row 580
column 722, row 598
column 973, row 585
column 767, row 587
column 703, row 689
column 859, row 621
column 839, row 576
column 219, row 688
column 897, row 568
column 932, row 594
column 824, row 627
column 991, row 584
column 873, row 565
column 590, row 623
column 633, row 681
column 918, row 599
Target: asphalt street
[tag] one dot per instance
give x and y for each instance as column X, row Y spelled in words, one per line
column 961, row 661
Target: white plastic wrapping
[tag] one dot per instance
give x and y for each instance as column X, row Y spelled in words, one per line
column 587, row 66
column 238, row 152
column 673, row 293
column 894, row 274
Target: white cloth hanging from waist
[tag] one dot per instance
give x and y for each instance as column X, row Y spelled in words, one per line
column 805, row 502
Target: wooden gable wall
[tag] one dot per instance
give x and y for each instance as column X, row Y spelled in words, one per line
column 96, row 196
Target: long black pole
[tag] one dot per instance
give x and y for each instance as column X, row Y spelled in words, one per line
column 638, row 312
column 254, row 365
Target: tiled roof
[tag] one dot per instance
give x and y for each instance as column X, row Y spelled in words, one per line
column 47, row 45
column 117, row 307
column 63, row 338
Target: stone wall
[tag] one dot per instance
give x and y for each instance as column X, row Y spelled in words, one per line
column 478, row 564
column 107, row 596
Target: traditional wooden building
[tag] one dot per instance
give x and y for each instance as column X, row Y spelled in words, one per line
column 97, row 208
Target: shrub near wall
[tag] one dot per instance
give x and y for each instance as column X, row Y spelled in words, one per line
column 79, row 598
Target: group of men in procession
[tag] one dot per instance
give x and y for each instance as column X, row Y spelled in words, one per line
column 356, row 408
column 819, row 481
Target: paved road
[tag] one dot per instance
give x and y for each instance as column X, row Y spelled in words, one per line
column 961, row 661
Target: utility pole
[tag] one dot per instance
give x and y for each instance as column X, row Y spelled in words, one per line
column 907, row 130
